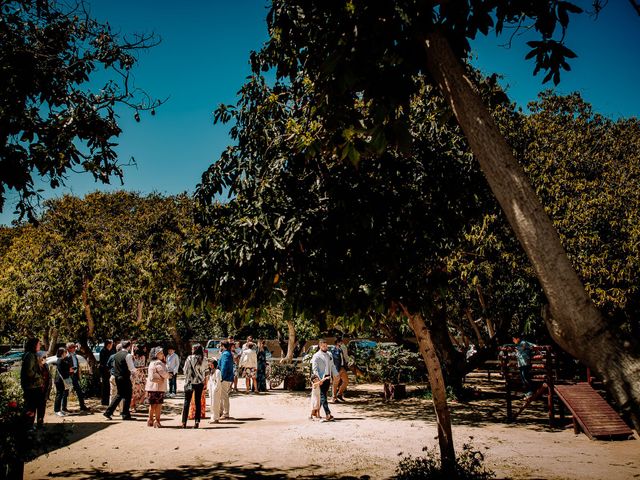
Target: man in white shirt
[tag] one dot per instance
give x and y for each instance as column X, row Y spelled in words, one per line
column 173, row 365
column 322, row 367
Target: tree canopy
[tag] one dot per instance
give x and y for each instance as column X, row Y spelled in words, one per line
column 55, row 116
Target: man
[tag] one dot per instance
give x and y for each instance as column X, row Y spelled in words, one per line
column 123, row 368
column 105, row 353
column 341, row 361
column 113, row 388
column 524, row 350
column 322, row 367
column 226, row 372
column 173, row 366
column 75, row 376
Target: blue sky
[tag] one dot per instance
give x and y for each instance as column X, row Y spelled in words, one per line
column 203, row 61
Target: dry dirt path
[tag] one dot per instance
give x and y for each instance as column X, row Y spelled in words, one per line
column 271, row 437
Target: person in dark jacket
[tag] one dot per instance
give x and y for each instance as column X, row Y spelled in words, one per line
column 31, row 379
column 123, row 367
column 105, row 374
column 63, row 367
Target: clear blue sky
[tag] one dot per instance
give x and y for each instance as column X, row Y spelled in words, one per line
column 203, row 61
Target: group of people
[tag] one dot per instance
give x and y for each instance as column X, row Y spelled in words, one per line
column 37, row 379
column 127, row 378
column 216, row 377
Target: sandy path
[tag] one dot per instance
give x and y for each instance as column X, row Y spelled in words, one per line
column 270, row 436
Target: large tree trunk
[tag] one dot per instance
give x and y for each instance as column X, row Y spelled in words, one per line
column 438, row 391
column 575, row 324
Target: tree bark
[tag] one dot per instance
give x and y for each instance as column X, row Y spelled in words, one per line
column 438, row 391
column 53, row 341
column 575, row 324
column 291, row 344
column 87, row 307
column 469, row 315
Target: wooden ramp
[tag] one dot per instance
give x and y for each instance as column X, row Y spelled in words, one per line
column 592, row 413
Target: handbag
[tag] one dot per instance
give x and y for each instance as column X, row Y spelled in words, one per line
column 187, row 378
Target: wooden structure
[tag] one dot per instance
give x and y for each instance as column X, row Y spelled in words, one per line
column 543, row 377
column 591, row 413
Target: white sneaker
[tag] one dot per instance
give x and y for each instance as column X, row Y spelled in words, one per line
column 61, row 414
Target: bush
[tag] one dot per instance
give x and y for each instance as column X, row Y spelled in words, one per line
column 469, row 466
column 395, row 364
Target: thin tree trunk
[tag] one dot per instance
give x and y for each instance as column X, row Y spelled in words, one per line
column 291, row 344
column 469, row 315
column 575, row 324
column 53, row 341
column 139, row 311
column 87, row 307
column 438, row 390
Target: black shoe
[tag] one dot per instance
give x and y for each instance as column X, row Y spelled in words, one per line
column 107, row 416
column 129, row 417
column 85, row 409
column 341, row 398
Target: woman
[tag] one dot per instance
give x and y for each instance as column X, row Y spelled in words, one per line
column 156, row 385
column 46, row 388
column 249, row 365
column 63, row 367
column 261, row 372
column 139, row 379
column 31, row 380
column 195, row 371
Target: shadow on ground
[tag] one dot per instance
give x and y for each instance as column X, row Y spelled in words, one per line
column 189, row 472
column 483, row 407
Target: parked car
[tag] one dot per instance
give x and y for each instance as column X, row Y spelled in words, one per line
column 11, row 357
column 212, row 349
column 96, row 351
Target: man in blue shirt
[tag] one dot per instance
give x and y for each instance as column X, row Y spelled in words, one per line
column 226, row 371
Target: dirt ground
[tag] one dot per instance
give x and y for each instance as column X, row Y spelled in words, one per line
column 270, row 436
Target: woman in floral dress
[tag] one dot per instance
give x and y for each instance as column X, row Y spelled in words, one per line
column 139, row 379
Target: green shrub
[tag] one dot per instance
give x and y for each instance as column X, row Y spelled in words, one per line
column 469, row 466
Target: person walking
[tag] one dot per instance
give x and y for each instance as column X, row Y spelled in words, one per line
column 156, row 385
column 113, row 388
column 215, row 391
column 31, row 380
column 173, row 367
column 75, row 375
column 226, row 373
column 195, row 371
column 123, row 369
column 105, row 373
column 323, row 368
column 341, row 360
column 63, row 377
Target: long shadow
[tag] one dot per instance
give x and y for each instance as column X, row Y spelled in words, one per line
column 59, row 435
column 189, row 472
column 484, row 408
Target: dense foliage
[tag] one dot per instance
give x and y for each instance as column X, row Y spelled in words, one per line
column 54, row 115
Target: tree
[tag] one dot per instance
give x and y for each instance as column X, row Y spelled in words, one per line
column 368, row 51
column 54, row 117
column 105, row 266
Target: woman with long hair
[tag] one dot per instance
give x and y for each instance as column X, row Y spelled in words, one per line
column 195, row 372
column 156, row 386
column 31, row 380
